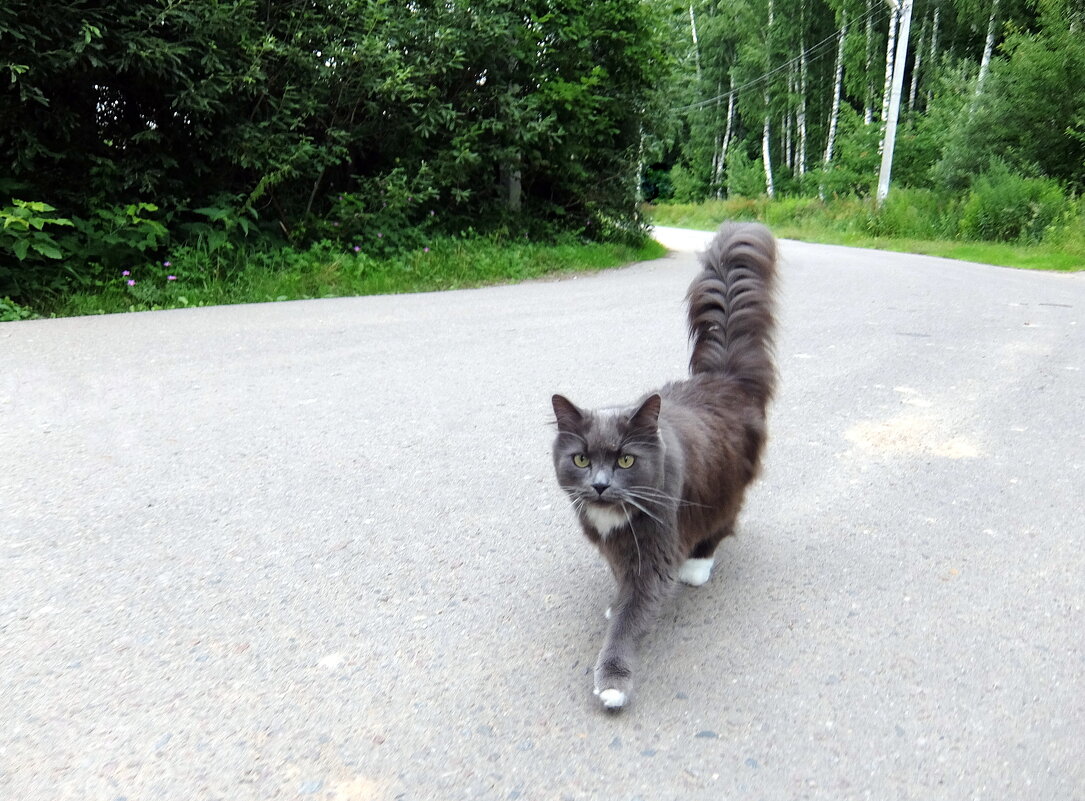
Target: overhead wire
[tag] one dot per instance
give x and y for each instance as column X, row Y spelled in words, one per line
column 813, row 52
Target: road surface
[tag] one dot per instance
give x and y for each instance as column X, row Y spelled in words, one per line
column 314, row 550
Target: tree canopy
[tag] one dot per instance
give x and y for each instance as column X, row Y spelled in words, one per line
column 314, row 119
column 986, row 81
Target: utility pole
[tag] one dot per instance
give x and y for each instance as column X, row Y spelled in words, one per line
column 894, row 100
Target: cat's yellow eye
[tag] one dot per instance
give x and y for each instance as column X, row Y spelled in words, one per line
column 580, row 460
column 625, row 460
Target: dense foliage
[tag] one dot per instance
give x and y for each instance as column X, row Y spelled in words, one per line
column 142, row 126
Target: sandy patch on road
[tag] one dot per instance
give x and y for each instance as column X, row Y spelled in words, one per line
column 910, row 435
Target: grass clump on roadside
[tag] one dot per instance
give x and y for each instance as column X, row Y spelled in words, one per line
column 195, row 276
column 1007, row 221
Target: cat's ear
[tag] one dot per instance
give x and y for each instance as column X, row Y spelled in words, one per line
column 568, row 416
column 647, row 416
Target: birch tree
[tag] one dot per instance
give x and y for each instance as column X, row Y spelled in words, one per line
column 838, row 83
column 988, row 48
column 914, row 82
column 890, row 53
column 801, row 114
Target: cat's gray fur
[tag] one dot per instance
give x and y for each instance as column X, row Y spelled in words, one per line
column 696, row 446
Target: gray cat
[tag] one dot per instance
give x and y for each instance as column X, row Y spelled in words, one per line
column 657, row 485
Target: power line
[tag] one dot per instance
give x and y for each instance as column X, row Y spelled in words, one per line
column 828, row 44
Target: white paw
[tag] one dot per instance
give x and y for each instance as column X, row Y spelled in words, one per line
column 695, row 572
column 612, row 699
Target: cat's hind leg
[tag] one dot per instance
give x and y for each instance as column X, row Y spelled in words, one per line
column 697, row 569
column 696, row 572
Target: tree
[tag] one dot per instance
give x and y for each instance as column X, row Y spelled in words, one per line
column 279, row 108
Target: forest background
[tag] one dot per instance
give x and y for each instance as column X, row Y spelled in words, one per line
column 175, row 152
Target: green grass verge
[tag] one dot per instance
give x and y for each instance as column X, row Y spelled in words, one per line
column 909, row 224
column 202, row 279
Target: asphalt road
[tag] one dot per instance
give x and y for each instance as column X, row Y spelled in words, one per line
column 314, row 550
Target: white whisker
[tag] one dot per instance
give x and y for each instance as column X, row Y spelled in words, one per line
column 633, row 531
column 628, row 499
column 653, row 493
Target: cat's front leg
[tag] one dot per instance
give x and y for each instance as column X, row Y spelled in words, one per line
column 614, row 671
column 631, row 617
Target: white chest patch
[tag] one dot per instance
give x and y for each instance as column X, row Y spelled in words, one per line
column 604, row 518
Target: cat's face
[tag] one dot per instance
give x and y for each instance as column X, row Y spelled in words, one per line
column 609, row 461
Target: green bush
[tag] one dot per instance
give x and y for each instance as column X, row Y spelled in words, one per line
column 657, row 186
column 855, row 165
column 115, row 238
column 914, row 214
column 688, row 186
column 1005, row 207
column 745, row 176
column 793, row 210
column 11, row 311
column 25, row 243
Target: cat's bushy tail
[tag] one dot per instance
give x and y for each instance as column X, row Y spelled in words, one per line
column 731, row 317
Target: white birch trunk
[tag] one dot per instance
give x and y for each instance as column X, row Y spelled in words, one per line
column 638, row 185
column 933, row 58
column 766, row 153
column 838, row 81
column 868, row 101
column 696, row 43
column 766, row 138
column 725, row 146
column 788, row 139
column 801, row 121
column 890, row 52
column 716, row 138
column 988, row 48
column 914, row 84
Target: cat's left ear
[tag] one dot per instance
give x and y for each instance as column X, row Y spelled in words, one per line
column 569, row 417
column 647, row 416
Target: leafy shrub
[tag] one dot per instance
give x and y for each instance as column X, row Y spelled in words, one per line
column 855, row 165
column 23, row 235
column 115, row 238
column 11, row 311
column 657, row 186
column 791, row 210
column 389, row 214
column 913, row 214
column 688, row 185
column 1006, row 207
column 23, row 229
column 745, row 176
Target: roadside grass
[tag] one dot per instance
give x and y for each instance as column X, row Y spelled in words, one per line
column 199, row 278
column 913, row 222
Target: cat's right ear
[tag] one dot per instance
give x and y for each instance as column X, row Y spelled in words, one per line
column 647, row 416
column 569, row 417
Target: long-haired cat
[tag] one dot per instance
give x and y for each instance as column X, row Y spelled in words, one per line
column 657, row 485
